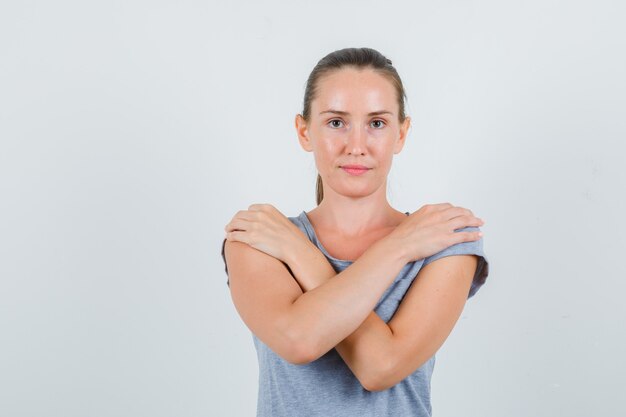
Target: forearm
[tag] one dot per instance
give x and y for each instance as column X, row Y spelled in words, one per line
column 365, row 348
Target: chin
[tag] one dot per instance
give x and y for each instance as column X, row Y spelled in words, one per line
column 356, row 193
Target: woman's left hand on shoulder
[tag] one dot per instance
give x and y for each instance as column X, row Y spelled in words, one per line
column 265, row 228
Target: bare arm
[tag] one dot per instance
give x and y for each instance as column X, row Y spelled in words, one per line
column 304, row 326
column 366, row 349
column 379, row 354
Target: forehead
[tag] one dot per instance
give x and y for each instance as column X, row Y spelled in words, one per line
column 356, row 91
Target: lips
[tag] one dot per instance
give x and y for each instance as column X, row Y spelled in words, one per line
column 355, row 169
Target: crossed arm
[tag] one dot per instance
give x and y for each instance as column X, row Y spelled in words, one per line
column 382, row 354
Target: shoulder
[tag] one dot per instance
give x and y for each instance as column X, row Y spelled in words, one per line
column 245, row 259
column 475, row 247
column 237, row 252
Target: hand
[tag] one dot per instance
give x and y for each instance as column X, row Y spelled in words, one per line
column 431, row 229
column 265, row 228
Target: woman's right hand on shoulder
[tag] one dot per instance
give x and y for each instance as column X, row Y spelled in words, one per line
column 431, row 229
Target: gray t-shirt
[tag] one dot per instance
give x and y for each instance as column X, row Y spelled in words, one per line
column 327, row 387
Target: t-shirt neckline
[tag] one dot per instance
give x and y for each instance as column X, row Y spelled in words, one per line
column 309, row 227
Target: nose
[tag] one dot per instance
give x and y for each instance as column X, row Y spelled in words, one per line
column 355, row 144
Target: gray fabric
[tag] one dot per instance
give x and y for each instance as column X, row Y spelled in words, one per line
column 326, row 387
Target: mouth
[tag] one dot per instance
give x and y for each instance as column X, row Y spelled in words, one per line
column 355, row 169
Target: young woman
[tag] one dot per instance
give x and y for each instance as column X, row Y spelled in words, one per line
column 349, row 302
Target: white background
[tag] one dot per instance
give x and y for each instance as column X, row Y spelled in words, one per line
column 132, row 131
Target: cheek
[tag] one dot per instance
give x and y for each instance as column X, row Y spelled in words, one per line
column 323, row 156
column 382, row 146
column 328, row 147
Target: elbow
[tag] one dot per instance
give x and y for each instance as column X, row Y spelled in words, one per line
column 376, row 385
column 391, row 373
column 298, row 349
column 373, row 384
column 298, row 353
column 299, row 356
column 380, row 378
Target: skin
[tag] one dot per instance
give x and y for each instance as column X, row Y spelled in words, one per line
column 354, row 221
column 356, row 138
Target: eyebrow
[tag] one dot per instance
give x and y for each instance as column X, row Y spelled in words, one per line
column 345, row 113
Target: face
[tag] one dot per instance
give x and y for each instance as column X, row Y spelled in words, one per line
column 353, row 122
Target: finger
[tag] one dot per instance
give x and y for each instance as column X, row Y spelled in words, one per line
column 464, row 221
column 245, row 214
column 459, row 237
column 260, row 207
column 462, row 210
column 439, row 206
column 434, row 207
column 237, row 236
column 239, row 215
column 238, row 224
column 452, row 212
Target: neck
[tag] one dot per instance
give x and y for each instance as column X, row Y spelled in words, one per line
column 354, row 216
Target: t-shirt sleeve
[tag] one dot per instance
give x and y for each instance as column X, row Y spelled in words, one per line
column 467, row 248
column 225, row 265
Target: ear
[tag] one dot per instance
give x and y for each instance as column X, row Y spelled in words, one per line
column 404, row 130
column 303, row 133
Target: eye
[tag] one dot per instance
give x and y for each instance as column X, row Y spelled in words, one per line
column 333, row 123
column 380, row 125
